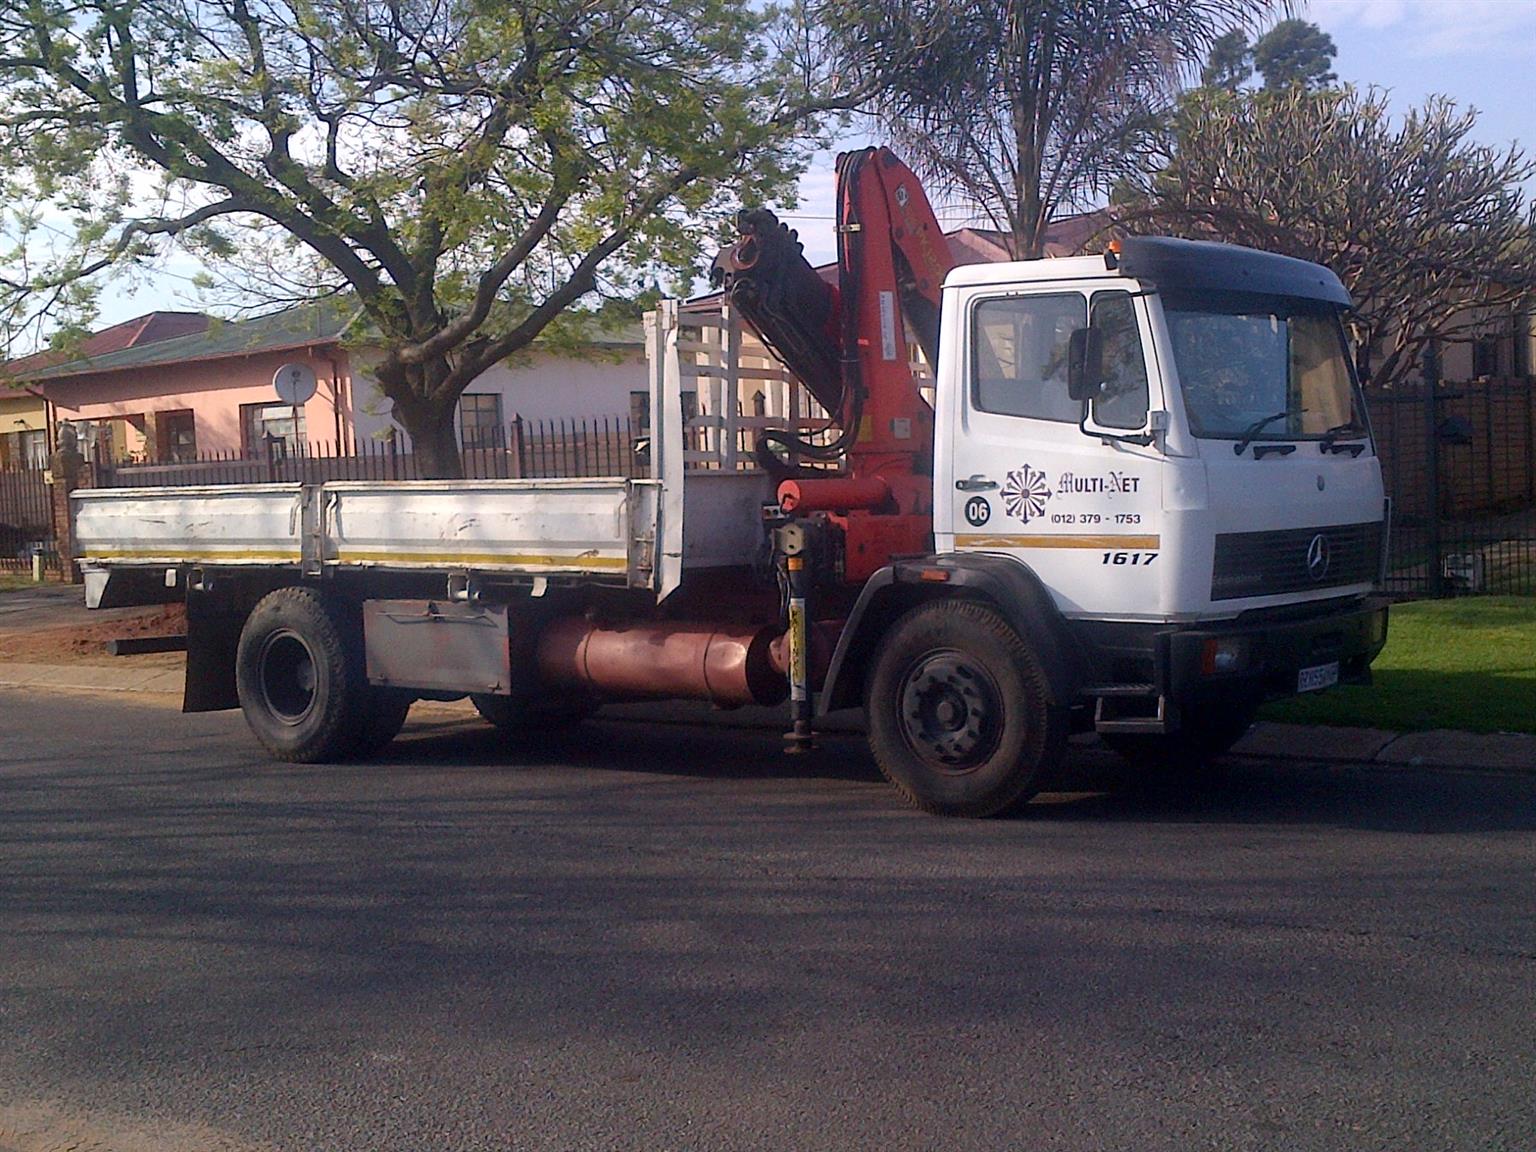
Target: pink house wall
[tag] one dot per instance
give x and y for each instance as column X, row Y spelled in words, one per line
column 214, row 390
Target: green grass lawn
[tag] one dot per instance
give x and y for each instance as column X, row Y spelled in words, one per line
column 1467, row 663
column 11, row 581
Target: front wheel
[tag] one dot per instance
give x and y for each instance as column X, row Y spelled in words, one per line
column 960, row 715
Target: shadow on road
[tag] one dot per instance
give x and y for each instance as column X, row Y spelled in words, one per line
column 1095, row 786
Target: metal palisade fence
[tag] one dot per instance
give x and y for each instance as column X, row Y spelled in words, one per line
column 26, row 518
column 1459, row 464
column 596, row 446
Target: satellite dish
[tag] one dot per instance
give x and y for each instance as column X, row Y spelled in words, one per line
column 295, row 383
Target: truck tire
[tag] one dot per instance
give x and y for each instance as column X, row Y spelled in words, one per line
column 524, row 718
column 960, row 715
column 385, row 713
column 304, row 695
column 1186, row 755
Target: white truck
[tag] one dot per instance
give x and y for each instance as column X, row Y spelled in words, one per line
column 1139, row 496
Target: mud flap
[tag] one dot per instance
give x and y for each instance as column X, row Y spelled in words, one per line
column 213, row 635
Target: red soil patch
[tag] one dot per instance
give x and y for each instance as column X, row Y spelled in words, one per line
column 85, row 642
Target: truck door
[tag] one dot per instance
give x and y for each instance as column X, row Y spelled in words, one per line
column 1026, row 480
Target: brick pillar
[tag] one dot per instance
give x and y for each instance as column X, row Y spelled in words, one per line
column 69, row 472
column 154, row 439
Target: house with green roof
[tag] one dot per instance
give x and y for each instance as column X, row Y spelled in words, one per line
column 212, row 391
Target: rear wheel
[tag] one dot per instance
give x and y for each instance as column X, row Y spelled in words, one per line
column 960, row 716
column 303, row 695
column 524, row 717
column 385, row 713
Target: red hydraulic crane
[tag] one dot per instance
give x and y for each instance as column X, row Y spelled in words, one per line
column 848, row 344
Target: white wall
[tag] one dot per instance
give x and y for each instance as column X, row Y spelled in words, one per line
column 538, row 386
column 547, row 387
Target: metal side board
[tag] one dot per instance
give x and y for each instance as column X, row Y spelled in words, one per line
column 604, row 528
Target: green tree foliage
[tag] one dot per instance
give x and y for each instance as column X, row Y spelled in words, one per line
column 1229, row 64
column 1427, row 228
column 1025, row 107
column 467, row 170
column 1295, row 52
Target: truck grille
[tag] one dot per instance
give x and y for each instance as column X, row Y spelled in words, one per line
column 1295, row 560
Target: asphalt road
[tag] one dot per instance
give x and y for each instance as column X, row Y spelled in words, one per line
column 671, row 938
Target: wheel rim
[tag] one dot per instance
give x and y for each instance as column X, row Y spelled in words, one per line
column 951, row 711
column 288, row 677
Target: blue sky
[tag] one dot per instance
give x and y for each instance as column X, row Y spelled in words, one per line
column 1480, row 53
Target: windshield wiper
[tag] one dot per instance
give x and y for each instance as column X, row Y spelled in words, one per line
column 1251, row 432
column 1330, row 441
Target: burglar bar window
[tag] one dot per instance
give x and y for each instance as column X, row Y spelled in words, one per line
column 261, row 424
column 480, row 420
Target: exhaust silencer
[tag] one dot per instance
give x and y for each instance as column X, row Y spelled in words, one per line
column 726, row 666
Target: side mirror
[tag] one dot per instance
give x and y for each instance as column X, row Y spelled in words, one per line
column 1085, row 363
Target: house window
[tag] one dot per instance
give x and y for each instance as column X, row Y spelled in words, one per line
column 33, row 448
column 23, row 449
column 275, row 424
column 1485, row 357
column 480, row 420
column 176, row 437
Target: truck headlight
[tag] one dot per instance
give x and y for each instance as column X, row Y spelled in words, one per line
column 1223, row 654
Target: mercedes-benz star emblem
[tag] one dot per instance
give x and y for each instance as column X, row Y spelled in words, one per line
column 1318, row 557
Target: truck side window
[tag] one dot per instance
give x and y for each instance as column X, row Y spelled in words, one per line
column 1019, row 356
column 1122, row 399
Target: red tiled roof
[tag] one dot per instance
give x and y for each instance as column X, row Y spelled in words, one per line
column 146, row 329
column 1068, row 236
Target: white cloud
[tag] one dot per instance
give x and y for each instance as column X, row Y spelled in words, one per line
column 1424, row 29
column 1366, row 13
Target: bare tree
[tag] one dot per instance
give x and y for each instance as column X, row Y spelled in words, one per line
column 1427, row 228
column 1027, row 107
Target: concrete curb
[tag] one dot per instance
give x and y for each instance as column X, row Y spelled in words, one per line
column 1473, row 751
column 91, row 678
column 1440, row 748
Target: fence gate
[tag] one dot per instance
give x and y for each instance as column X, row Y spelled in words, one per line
column 26, row 519
column 1459, row 463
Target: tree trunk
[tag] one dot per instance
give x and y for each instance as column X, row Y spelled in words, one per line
column 430, row 420
column 437, row 448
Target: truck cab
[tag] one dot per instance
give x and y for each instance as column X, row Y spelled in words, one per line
column 1170, row 437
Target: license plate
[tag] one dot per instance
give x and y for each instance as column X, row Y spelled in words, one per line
column 1317, row 678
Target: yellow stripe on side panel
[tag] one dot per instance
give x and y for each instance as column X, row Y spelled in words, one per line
column 481, row 559
column 1136, row 543
column 171, row 555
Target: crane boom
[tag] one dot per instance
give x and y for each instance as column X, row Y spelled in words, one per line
column 847, row 342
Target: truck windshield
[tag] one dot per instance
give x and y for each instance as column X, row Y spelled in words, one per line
column 1263, row 370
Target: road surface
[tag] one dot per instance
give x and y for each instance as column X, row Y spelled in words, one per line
column 670, row 938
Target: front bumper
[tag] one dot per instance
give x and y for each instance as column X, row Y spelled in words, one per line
column 1273, row 649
